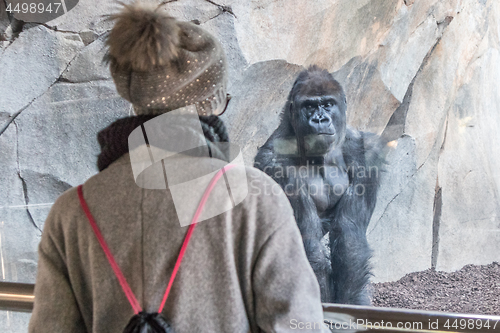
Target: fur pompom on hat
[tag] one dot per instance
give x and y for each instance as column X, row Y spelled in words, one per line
column 143, row 38
column 161, row 64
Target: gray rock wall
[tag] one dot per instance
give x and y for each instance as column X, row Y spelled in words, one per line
column 425, row 72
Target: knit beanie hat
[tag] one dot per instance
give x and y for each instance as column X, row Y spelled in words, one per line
column 161, row 64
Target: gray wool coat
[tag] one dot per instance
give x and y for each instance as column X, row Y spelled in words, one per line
column 244, row 271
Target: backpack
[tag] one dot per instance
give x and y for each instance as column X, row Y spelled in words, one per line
column 146, row 322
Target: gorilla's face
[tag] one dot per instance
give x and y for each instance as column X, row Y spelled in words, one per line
column 320, row 120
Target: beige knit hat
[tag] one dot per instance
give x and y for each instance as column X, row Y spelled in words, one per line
column 160, row 64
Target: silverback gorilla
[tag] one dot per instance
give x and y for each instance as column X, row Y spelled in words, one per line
column 330, row 174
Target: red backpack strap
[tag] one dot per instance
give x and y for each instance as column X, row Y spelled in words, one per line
column 121, row 278
column 197, row 214
column 116, row 269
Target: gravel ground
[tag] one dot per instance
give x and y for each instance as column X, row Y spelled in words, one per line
column 473, row 289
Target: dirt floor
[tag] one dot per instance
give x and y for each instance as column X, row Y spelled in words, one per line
column 473, row 289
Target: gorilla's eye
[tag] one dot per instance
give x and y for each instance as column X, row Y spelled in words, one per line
column 309, row 108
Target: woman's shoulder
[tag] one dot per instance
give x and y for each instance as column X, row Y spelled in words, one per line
column 66, row 202
column 64, row 210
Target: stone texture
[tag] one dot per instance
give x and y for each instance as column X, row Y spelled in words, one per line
column 421, row 10
column 4, row 21
column 88, row 65
column 218, row 20
column 9, row 29
column 444, row 70
column 367, row 112
column 402, row 236
column 87, row 15
column 402, row 223
column 306, row 34
column 90, row 14
column 5, row 119
column 41, row 190
column 469, row 164
column 88, row 36
column 193, row 10
column 435, row 91
column 222, row 26
column 405, row 52
column 32, row 63
column 57, row 138
column 18, row 236
column 258, row 98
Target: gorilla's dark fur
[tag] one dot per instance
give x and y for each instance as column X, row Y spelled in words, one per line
column 330, row 174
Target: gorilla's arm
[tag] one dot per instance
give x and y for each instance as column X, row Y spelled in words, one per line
column 263, row 160
column 310, row 227
column 364, row 154
column 349, row 250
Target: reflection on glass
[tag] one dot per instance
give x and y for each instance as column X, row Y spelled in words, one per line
column 14, row 322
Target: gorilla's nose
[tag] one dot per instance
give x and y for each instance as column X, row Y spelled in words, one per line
column 320, row 123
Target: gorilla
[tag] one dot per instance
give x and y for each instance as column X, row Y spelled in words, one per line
column 330, row 174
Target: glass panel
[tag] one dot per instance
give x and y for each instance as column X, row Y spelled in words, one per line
column 14, row 322
column 424, row 74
